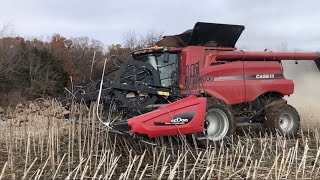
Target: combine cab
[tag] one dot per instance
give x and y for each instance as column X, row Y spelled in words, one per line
column 198, row 83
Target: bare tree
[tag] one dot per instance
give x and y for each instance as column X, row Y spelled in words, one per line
column 151, row 37
column 46, row 75
column 130, row 40
column 82, row 51
column 43, row 78
column 11, row 58
column 133, row 41
column 6, row 30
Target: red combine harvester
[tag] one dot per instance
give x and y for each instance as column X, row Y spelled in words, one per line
column 198, row 83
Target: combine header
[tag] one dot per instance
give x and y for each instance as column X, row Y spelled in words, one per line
column 198, row 83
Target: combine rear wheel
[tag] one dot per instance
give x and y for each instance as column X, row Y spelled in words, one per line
column 286, row 120
column 219, row 125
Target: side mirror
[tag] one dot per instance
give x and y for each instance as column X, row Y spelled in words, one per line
column 166, row 57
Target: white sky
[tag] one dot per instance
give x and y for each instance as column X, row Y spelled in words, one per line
column 268, row 23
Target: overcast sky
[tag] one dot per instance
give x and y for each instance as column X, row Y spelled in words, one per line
column 268, row 23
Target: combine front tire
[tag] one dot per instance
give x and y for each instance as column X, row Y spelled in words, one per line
column 285, row 120
column 219, row 125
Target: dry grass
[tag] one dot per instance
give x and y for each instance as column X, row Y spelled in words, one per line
column 43, row 146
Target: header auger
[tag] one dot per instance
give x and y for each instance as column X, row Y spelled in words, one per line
column 198, row 83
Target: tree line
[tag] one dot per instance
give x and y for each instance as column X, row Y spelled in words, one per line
column 31, row 69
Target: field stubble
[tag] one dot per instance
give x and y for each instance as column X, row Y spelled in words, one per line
column 43, row 146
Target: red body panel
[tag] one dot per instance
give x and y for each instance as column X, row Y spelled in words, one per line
column 256, row 87
column 145, row 123
column 228, row 83
column 235, row 76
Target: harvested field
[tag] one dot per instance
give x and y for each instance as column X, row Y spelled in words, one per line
column 44, row 145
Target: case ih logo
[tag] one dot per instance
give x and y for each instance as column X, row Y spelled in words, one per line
column 265, row 76
column 243, row 77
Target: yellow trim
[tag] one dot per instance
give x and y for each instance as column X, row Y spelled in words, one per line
column 163, row 93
